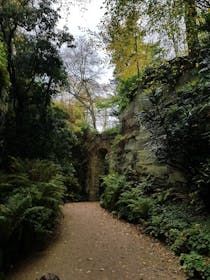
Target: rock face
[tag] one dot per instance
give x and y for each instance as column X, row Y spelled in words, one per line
column 134, row 149
column 145, row 144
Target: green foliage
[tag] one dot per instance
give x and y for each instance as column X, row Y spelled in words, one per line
column 195, row 238
column 173, row 23
column 125, row 90
column 179, row 106
column 36, row 72
column 112, row 185
column 195, row 265
column 30, row 198
column 124, row 39
column 112, row 131
column 177, row 116
column 133, row 206
column 43, row 133
column 36, row 140
column 204, row 27
column 174, row 221
column 4, row 82
column 201, row 180
column 168, row 220
column 73, row 189
column 4, row 77
column 126, row 199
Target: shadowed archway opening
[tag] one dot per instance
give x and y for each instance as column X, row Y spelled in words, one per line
column 104, row 168
column 98, row 160
column 98, row 166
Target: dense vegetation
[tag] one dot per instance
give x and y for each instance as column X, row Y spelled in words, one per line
column 177, row 118
column 43, row 155
column 164, row 213
column 37, row 171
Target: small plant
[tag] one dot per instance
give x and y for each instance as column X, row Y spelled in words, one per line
column 113, row 186
column 132, row 206
column 196, row 266
column 168, row 220
column 194, row 238
column 29, row 204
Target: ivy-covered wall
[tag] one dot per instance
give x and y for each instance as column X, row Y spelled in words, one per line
column 160, row 161
column 165, row 127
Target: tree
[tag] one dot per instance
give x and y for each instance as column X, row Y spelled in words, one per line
column 130, row 54
column 31, row 128
column 4, row 82
column 84, row 67
column 31, row 42
column 28, row 33
column 190, row 16
column 165, row 19
column 163, row 15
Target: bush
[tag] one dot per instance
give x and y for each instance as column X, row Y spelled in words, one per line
column 29, row 205
column 196, row 266
column 194, row 239
column 113, row 186
column 73, row 189
column 175, row 222
column 132, row 206
column 202, row 180
column 168, row 220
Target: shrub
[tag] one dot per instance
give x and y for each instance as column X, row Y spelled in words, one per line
column 113, row 185
column 168, row 220
column 202, row 180
column 195, row 265
column 194, row 239
column 29, row 204
column 73, row 189
column 132, row 206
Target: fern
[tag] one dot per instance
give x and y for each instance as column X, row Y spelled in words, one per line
column 29, row 200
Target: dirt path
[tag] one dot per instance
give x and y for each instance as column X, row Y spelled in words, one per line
column 93, row 245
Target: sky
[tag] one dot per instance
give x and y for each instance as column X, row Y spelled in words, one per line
column 79, row 19
column 82, row 17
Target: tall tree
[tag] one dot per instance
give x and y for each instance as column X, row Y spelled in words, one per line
column 130, row 54
column 164, row 13
column 85, row 68
column 28, row 34
column 27, row 30
column 190, row 15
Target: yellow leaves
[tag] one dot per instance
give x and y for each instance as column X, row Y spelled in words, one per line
column 129, row 53
column 76, row 112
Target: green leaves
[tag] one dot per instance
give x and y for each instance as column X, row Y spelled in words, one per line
column 195, row 265
column 4, row 76
column 112, row 185
column 173, row 221
column 29, row 201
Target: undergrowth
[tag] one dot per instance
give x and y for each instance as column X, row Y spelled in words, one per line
column 169, row 218
column 31, row 193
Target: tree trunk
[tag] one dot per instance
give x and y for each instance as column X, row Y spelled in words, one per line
column 105, row 119
column 93, row 117
column 191, row 27
column 136, row 52
column 175, row 45
column 91, row 107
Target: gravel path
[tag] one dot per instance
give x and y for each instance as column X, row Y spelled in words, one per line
column 95, row 246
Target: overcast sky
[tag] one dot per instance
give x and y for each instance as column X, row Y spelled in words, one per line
column 79, row 19
column 82, row 16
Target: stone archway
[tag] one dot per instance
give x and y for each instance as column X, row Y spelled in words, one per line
column 99, row 148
